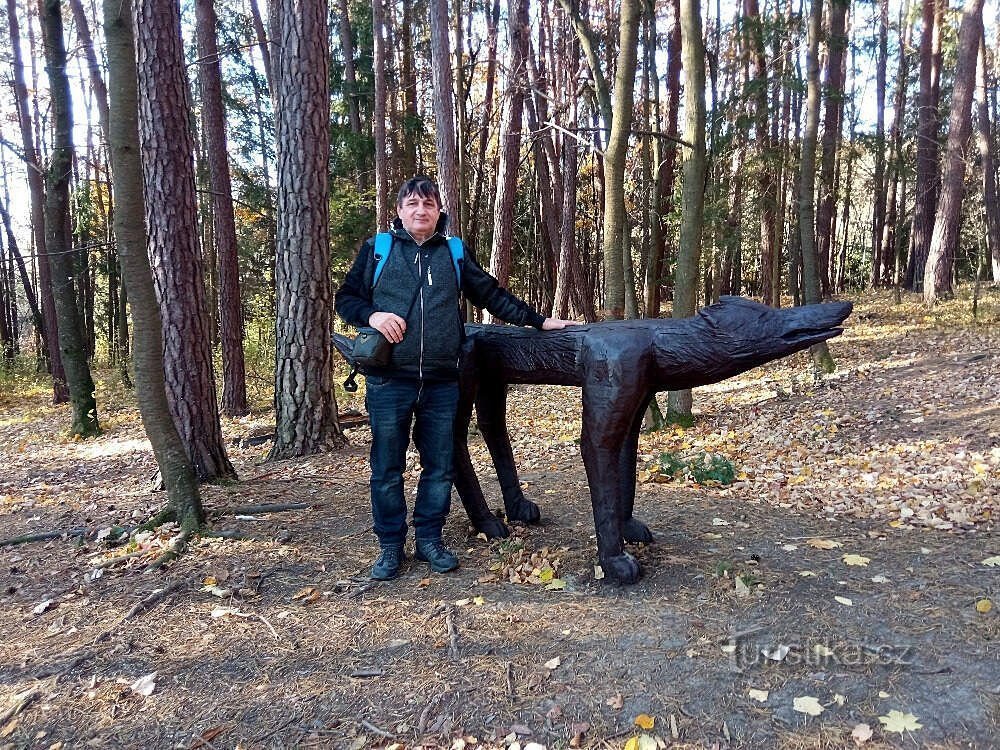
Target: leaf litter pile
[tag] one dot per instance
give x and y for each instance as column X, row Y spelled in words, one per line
column 824, row 575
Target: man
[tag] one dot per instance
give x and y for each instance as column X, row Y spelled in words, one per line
column 414, row 303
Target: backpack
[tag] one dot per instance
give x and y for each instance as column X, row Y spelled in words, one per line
column 383, row 246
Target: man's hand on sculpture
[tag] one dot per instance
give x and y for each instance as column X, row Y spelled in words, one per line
column 557, row 324
column 389, row 325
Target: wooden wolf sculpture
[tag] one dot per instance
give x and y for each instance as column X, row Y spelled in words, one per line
column 620, row 365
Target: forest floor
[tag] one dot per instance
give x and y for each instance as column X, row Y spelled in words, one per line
column 840, row 592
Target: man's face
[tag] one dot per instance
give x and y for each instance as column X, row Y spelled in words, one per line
column 419, row 215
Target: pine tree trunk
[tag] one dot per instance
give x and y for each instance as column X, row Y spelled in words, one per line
column 305, row 405
column 693, row 168
column 944, row 241
column 482, row 179
column 129, row 225
column 234, row 388
column 58, row 242
column 172, row 225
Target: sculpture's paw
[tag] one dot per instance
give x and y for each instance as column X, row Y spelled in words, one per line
column 524, row 511
column 635, row 531
column 621, row 568
column 492, row 526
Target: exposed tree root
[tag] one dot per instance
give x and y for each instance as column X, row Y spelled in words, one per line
column 152, row 600
column 45, row 536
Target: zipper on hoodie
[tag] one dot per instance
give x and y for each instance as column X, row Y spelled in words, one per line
column 420, row 291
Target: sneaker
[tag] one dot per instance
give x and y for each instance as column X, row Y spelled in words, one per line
column 440, row 557
column 387, row 565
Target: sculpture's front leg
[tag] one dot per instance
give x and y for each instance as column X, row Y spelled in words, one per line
column 466, row 481
column 491, row 412
column 633, row 530
column 606, row 419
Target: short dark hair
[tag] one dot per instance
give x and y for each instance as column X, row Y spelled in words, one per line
column 421, row 185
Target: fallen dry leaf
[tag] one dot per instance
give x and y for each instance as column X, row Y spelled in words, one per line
column 823, row 543
column 616, row 701
column 983, row 606
column 758, row 695
column 861, row 734
column 644, row 721
column 552, row 663
column 861, row 560
column 807, row 704
column 897, row 721
column 844, row 600
column 145, row 685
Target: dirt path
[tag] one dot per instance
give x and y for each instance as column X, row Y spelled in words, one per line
column 896, row 460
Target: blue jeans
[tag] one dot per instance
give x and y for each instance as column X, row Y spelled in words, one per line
column 392, row 405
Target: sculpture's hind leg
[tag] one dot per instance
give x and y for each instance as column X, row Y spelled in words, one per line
column 491, row 411
column 606, row 422
column 466, row 481
column 633, row 530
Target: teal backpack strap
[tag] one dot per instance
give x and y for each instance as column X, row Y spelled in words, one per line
column 383, row 246
column 457, row 257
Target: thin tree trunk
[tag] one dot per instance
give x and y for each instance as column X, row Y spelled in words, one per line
column 878, row 211
column 93, row 66
column 123, row 142
column 510, row 146
column 444, row 115
column 305, row 404
column 807, row 181
column 350, row 74
column 615, row 220
column 36, row 189
column 492, row 22
column 984, row 139
column 834, row 102
column 172, row 225
column 265, row 49
column 382, row 203
column 58, row 241
column 927, row 152
column 693, row 168
column 944, row 242
column 887, row 241
column 234, row 388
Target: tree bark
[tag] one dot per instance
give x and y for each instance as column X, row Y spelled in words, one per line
column 123, row 142
column 58, row 241
column 947, row 220
column 234, row 388
column 693, row 167
column 172, row 223
column 305, row 405
column 492, row 22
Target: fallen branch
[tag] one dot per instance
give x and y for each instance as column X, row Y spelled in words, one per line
column 252, row 510
column 44, row 536
column 376, row 730
column 152, row 600
column 452, row 636
column 21, row 702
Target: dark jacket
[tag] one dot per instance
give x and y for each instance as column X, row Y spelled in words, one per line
column 418, row 283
